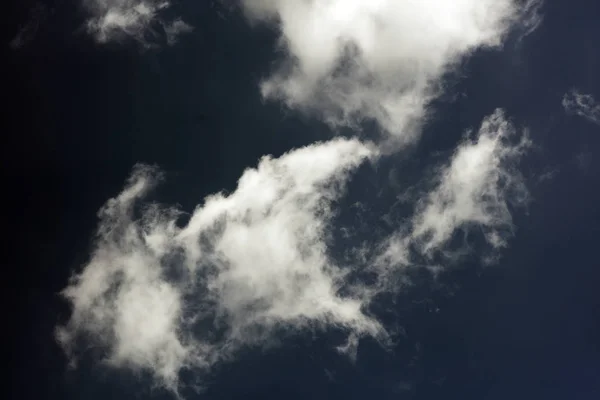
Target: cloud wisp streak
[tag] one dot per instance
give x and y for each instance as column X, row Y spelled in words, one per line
column 584, row 105
column 38, row 16
column 474, row 191
column 382, row 60
column 116, row 20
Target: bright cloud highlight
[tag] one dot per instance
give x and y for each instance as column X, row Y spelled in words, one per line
column 382, row 60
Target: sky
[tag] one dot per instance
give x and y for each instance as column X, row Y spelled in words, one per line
column 308, row 199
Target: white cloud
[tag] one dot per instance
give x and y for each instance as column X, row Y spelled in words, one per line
column 161, row 297
column 349, row 60
column 121, row 298
column 475, row 188
column 257, row 261
column 584, row 105
column 474, row 191
column 117, row 19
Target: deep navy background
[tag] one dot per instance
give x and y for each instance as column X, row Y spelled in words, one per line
column 78, row 116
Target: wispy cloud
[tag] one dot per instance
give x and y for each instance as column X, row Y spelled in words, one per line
column 584, row 105
column 531, row 18
column 251, row 262
column 382, row 60
column 161, row 296
column 28, row 30
column 473, row 191
column 114, row 20
column 476, row 187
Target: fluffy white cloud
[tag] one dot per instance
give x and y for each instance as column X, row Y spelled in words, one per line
column 252, row 262
column 475, row 188
column 116, row 19
column 583, row 105
column 350, row 60
column 121, row 300
column 473, row 191
column 160, row 297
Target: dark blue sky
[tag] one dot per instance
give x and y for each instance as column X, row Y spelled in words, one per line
column 80, row 115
